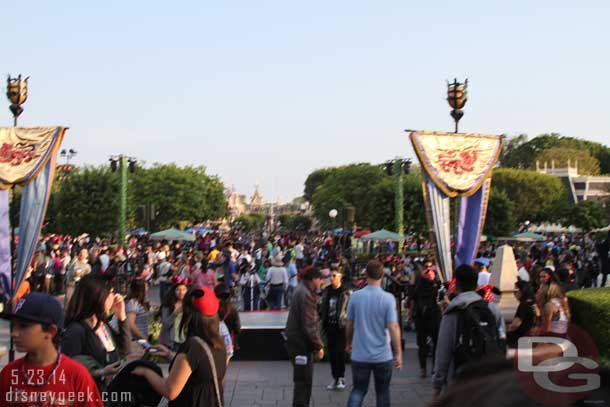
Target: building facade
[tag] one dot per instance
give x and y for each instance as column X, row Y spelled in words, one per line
column 580, row 187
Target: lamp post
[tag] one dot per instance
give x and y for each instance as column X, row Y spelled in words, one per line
column 397, row 168
column 17, row 94
column 68, row 154
column 65, row 169
column 332, row 214
column 457, row 96
column 123, row 163
column 399, row 200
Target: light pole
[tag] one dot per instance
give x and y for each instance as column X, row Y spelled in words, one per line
column 123, row 163
column 65, row 169
column 457, row 96
column 17, row 94
column 68, row 154
column 397, row 167
column 332, row 214
column 399, row 201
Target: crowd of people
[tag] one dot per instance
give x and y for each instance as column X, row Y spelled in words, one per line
column 349, row 310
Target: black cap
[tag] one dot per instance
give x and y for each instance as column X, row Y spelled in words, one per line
column 38, row 307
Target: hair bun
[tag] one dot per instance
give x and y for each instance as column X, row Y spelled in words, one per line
column 198, row 293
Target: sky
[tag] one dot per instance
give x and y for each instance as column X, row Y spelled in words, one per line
column 271, row 90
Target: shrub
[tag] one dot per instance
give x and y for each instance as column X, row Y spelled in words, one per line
column 591, row 311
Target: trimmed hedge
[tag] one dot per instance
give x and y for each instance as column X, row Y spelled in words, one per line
column 591, row 311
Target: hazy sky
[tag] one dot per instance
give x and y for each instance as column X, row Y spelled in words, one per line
column 274, row 89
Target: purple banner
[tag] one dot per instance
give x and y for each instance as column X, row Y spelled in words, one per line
column 470, row 225
column 34, row 199
column 438, row 214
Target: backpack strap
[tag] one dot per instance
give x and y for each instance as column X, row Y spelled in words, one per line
column 208, row 352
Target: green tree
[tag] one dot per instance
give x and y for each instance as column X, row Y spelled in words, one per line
column 314, row 180
column 536, row 197
column 371, row 191
column 509, row 157
column 521, row 153
column 87, row 201
column 295, row 221
column 179, row 194
column 382, row 198
column 500, row 219
column 588, row 215
column 349, row 185
column 587, row 164
column 250, row 221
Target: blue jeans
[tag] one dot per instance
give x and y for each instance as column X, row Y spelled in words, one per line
column 274, row 297
column 361, row 374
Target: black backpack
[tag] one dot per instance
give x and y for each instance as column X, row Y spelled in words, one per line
column 477, row 338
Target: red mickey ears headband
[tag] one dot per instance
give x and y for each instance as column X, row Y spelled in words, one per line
column 206, row 302
column 180, row 280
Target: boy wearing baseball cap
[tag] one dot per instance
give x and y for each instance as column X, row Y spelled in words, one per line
column 43, row 376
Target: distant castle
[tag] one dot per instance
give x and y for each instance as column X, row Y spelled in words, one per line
column 239, row 205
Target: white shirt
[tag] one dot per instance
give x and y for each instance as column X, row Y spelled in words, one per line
column 523, row 274
column 298, row 250
column 483, row 278
column 277, row 275
column 105, row 260
column 250, row 279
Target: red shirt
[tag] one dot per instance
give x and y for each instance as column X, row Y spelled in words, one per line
column 23, row 384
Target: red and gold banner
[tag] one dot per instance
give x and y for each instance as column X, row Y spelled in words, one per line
column 25, row 151
column 457, row 163
column 453, row 165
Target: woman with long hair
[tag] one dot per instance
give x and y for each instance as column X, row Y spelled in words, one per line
column 197, row 369
column 171, row 315
column 87, row 332
column 137, row 308
column 527, row 316
column 556, row 311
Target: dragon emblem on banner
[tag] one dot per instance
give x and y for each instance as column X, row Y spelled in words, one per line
column 17, row 154
column 458, row 162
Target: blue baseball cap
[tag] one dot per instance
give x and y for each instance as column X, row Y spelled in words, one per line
column 483, row 261
column 38, row 307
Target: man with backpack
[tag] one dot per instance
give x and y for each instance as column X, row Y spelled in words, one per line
column 469, row 332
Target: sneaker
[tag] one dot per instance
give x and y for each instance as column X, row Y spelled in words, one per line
column 332, row 386
column 340, row 384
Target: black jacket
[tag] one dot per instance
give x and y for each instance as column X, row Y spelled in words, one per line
column 344, row 294
column 303, row 326
column 79, row 339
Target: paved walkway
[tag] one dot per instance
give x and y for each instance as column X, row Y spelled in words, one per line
column 269, row 383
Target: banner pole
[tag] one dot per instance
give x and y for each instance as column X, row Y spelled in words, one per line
column 123, row 210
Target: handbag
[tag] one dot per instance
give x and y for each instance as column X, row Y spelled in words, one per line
column 164, row 401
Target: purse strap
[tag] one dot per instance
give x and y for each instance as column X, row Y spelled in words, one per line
column 208, row 352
